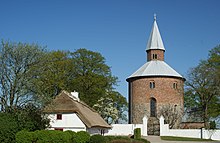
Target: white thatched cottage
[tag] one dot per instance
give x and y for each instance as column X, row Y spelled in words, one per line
column 67, row 112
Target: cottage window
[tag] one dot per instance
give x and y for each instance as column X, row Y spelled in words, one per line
column 59, row 116
column 58, row 129
column 152, row 84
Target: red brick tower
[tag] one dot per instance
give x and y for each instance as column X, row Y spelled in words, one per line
column 155, row 83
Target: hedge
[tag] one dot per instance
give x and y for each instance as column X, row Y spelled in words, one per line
column 98, row 139
column 50, row 136
column 53, row 136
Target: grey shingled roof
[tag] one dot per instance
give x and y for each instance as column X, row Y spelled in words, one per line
column 155, row 68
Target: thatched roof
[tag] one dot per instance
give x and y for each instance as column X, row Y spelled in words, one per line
column 66, row 103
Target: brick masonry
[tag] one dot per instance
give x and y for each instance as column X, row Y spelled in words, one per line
column 164, row 93
column 159, row 53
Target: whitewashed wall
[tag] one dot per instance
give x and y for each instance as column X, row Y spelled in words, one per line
column 128, row 129
column 193, row 133
column 69, row 122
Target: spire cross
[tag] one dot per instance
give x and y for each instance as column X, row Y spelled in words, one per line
column 155, row 16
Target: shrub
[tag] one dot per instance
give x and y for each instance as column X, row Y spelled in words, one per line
column 98, row 139
column 212, row 125
column 137, row 133
column 118, row 139
column 53, row 136
column 8, row 128
column 110, row 138
column 81, row 137
column 25, row 137
column 71, row 135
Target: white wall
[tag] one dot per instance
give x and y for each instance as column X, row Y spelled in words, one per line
column 70, row 121
column 193, row 133
column 121, row 129
column 128, row 129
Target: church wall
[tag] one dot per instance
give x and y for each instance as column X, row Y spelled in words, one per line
column 164, row 93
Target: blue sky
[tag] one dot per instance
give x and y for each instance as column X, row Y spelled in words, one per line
column 118, row 29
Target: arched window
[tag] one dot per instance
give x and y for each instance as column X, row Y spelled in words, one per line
column 152, row 84
column 153, row 106
column 175, row 85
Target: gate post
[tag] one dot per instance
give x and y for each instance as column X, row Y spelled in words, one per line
column 144, row 125
column 161, row 125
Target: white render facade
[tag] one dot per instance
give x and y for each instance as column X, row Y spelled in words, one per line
column 69, row 121
column 67, row 112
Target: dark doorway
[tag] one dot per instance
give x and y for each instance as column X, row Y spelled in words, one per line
column 153, row 106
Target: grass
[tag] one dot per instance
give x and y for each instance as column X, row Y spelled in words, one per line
column 169, row 138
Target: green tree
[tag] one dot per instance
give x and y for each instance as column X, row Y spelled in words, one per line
column 91, row 76
column 112, row 107
column 202, row 87
column 16, row 60
column 8, row 128
column 105, row 107
column 121, row 104
column 28, row 117
column 53, row 74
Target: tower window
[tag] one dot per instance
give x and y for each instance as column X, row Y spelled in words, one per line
column 152, row 84
column 175, row 85
column 154, row 56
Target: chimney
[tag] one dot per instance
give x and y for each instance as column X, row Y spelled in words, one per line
column 75, row 95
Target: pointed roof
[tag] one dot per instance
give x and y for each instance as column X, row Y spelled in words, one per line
column 66, row 103
column 155, row 68
column 155, row 40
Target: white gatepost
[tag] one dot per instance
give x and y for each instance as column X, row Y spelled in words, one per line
column 144, row 126
column 161, row 125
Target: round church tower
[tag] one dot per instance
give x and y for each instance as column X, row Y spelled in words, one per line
column 155, row 84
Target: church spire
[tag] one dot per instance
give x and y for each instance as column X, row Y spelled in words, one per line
column 155, row 41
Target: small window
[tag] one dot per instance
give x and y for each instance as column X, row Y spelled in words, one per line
column 175, row 85
column 152, row 84
column 59, row 116
column 58, row 129
column 154, row 56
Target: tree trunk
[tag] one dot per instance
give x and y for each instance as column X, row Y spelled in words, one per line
column 205, row 117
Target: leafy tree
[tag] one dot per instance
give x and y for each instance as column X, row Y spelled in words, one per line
column 8, row 128
column 91, row 76
column 30, row 117
column 202, row 87
column 112, row 107
column 172, row 115
column 53, row 75
column 121, row 104
column 16, row 60
column 105, row 107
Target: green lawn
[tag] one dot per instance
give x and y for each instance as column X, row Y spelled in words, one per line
column 169, row 138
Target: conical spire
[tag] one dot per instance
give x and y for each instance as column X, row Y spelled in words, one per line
column 155, row 40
